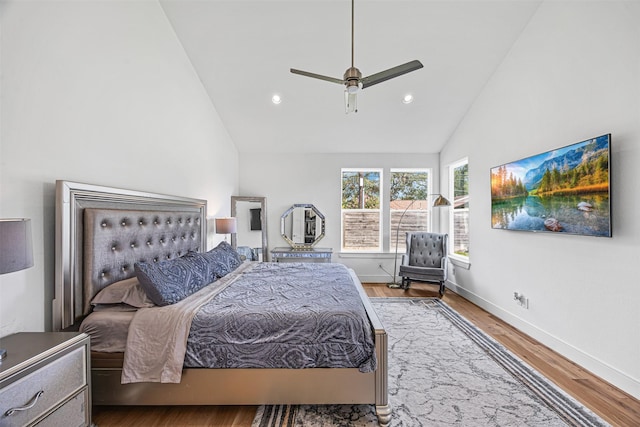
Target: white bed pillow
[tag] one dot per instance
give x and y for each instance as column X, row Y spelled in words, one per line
column 126, row 291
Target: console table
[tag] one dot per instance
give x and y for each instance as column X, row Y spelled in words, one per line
column 301, row 255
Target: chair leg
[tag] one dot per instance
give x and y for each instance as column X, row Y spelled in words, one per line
column 442, row 290
column 405, row 283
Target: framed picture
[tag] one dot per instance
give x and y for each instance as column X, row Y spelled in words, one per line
column 566, row 190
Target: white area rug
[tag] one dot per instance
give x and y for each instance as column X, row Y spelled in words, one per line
column 443, row 371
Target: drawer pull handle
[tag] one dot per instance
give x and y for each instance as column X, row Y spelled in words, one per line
column 29, row 405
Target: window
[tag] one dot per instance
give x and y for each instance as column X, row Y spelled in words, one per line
column 361, row 213
column 408, row 204
column 459, row 213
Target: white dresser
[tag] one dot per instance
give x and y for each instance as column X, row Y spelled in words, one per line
column 45, row 380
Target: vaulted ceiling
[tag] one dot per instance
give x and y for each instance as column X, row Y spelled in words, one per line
column 242, row 52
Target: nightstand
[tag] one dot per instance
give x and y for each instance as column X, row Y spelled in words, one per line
column 45, row 380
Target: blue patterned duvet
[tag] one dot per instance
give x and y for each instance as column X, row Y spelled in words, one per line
column 284, row 315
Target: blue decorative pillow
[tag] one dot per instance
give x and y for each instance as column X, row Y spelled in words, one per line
column 168, row 282
column 223, row 259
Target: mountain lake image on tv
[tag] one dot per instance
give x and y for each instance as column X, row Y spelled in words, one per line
column 561, row 191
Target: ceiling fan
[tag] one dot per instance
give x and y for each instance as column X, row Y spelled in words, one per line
column 353, row 80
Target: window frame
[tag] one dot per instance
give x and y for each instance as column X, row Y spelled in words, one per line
column 429, row 209
column 452, row 211
column 380, row 248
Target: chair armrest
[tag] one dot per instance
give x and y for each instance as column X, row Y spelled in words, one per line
column 405, row 259
column 445, row 266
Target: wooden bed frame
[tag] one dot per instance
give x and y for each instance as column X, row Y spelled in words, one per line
column 198, row 386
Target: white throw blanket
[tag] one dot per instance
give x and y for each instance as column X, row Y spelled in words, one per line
column 157, row 339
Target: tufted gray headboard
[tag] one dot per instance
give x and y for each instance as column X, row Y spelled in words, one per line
column 95, row 249
column 115, row 239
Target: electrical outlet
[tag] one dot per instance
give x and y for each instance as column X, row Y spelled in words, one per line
column 521, row 300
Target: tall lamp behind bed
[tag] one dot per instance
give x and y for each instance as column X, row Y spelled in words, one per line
column 228, row 225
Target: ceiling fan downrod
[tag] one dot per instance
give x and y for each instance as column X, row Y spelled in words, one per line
column 352, row 76
column 352, row 33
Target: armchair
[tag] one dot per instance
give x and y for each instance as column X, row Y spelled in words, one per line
column 425, row 259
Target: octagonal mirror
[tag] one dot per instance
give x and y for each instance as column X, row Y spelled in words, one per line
column 302, row 226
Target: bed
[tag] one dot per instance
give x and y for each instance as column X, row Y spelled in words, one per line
column 128, row 227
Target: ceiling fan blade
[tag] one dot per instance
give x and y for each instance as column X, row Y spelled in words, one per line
column 317, row 76
column 390, row 73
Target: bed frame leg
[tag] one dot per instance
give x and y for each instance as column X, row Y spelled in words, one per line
column 384, row 414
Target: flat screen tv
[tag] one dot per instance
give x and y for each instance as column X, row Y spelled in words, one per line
column 560, row 191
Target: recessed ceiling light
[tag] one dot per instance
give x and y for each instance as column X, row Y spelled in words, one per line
column 408, row 99
column 276, row 99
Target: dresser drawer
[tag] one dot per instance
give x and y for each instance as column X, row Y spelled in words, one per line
column 72, row 414
column 57, row 380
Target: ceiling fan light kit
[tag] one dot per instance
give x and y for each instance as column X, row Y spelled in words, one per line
column 350, row 102
column 353, row 80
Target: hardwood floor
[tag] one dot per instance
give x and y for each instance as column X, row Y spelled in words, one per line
column 613, row 405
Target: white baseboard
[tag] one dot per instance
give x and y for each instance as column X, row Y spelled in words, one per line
column 586, row 361
column 376, row 278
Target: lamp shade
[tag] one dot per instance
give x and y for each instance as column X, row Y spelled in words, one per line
column 440, row 202
column 16, row 248
column 226, row 225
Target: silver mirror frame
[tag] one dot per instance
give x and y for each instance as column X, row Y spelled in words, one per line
column 263, row 220
column 302, row 245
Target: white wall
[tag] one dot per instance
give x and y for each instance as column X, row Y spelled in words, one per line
column 573, row 74
column 99, row 92
column 285, row 179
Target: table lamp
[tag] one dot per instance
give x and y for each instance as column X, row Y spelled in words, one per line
column 16, row 250
column 226, row 226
